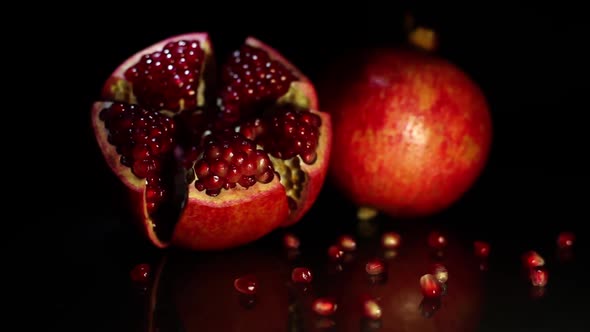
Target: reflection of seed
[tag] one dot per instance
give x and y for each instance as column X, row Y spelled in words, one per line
column 391, row 240
column 375, row 267
column 324, row 306
column 247, row 301
column 429, row 306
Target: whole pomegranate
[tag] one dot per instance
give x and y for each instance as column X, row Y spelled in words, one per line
column 412, row 132
column 212, row 159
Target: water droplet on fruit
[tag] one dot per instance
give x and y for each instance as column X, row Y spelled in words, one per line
column 440, row 273
column 246, row 284
column 532, row 259
column 429, row 306
column 481, row 249
column 430, row 286
column 347, row 243
column 565, row 240
column 390, row 240
column 301, row 275
column 324, row 306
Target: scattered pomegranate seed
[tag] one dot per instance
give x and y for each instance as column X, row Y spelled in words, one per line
column 565, row 240
column 140, row 273
column 324, row 306
column 246, row 284
column 539, row 276
column 440, row 273
column 347, row 243
column 481, row 249
column 370, row 308
column 437, row 240
column 390, row 254
column 291, row 241
column 301, row 275
column 375, row 267
column 430, row 286
column 391, row 240
column 532, row 259
column 335, row 253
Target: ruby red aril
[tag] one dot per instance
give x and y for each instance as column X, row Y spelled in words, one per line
column 390, row 240
column 565, row 240
column 211, row 162
column 324, row 306
column 430, row 286
column 335, row 253
column 291, row 241
column 481, row 249
column 539, row 276
column 301, row 275
column 375, row 266
column 532, row 259
column 247, row 284
column 440, row 273
column 140, row 273
column 347, row 243
column 437, row 240
column 370, row 308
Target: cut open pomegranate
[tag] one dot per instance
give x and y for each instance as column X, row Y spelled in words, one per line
column 213, row 158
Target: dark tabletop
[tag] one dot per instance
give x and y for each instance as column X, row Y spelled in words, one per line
column 530, row 62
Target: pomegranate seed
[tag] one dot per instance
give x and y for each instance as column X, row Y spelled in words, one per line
column 335, row 253
column 565, row 240
column 246, row 284
column 391, row 240
column 440, row 273
column 481, row 249
column 390, row 254
column 140, row 273
column 532, row 259
column 301, row 275
column 430, row 286
column 437, row 240
column 365, row 213
column 375, row 267
column 324, row 306
column 347, row 243
column 539, row 276
column 290, row 241
column 370, row 308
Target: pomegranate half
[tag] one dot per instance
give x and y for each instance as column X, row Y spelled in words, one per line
column 212, row 157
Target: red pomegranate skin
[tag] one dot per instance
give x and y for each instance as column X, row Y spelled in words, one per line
column 411, row 131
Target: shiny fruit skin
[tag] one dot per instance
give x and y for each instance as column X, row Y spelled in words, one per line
column 411, row 131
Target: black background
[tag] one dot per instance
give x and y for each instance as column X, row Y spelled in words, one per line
column 530, row 60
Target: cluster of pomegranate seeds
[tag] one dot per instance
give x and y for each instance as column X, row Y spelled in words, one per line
column 286, row 133
column 247, row 284
column 481, row 249
column 535, row 264
column 228, row 159
column 324, row 306
column 390, row 240
column 168, row 79
column 250, row 78
column 301, row 275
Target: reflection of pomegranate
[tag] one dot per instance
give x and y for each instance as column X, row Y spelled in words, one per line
column 411, row 131
column 197, row 292
column 213, row 164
